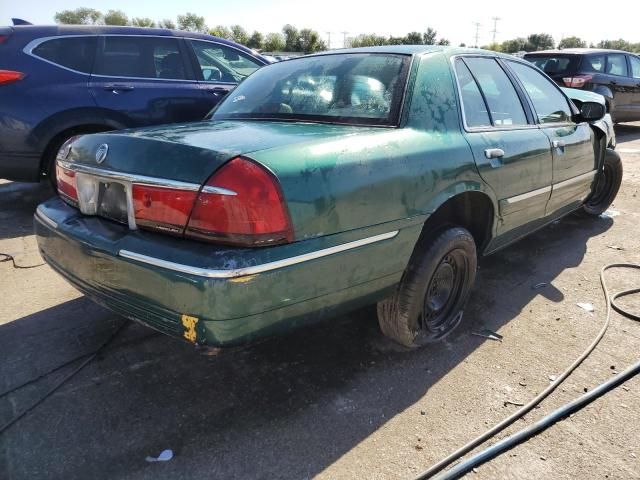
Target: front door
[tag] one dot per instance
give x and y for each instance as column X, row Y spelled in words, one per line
column 574, row 161
column 149, row 80
column 512, row 154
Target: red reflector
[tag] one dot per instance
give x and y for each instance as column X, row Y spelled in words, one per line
column 255, row 216
column 66, row 180
column 9, row 76
column 3, row 38
column 578, row 81
column 161, row 208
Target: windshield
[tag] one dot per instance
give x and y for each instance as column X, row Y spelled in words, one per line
column 346, row 88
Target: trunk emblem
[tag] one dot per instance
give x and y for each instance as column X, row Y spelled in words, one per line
column 101, row 153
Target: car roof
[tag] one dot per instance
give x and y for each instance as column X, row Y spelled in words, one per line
column 61, row 30
column 418, row 50
column 575, row 51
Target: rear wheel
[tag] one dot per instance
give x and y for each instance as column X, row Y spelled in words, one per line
column 606, row 185
column 427, row 304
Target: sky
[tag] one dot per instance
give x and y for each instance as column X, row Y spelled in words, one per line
column 453, row 20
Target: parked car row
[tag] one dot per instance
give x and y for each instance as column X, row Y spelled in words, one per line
column 60, row 81
column 611, row 73
column 325, row 183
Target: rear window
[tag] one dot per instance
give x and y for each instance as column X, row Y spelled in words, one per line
column 76, row 53
column 555, row 64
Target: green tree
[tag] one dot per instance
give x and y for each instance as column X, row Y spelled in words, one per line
column 514, row 45
column 619, row 44
column 291, row 38
column 462, row 45
column 369, row 40
column 239, row 35
column 496, row 47
column 444, row 41
column 143, row 22
column 539, row 41
column 79, row 16
column 256, row 41
column 413, row 38
column 274, row 42
column 310, row 41
column 221, row 31
column 429, row 37
column 115, row 17
column 167, row 23
column 572, row 42
column 191, row 22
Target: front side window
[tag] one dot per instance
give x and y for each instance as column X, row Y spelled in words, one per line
column 342, row 88
column 617, row 64
column 501, row 96
column 550, row 104
column 554, row 64
column 475, row 110
column 76, row 53
column 220, row 63
column 635, row 66
column 140, row 57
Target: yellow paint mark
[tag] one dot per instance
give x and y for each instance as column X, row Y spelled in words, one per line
column 189, row 328
column 246, row 278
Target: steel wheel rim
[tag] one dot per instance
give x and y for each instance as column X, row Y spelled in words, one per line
column 443, row 293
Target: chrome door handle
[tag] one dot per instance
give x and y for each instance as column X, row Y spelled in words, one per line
column 558, row 144
column 118, row 88
column 494, row 153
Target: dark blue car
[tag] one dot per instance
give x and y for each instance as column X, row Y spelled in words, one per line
column 61, row 81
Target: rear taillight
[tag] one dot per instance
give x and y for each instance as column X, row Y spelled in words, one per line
column 241, row 204
column 9, row 76
column 162, row 208
column 67, row 186
column 3, row 38
column 577, row 81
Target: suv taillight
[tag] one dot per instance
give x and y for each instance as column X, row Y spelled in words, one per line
column 577, row 81
column 9, row 76
column 3, row 38
column 241, row 204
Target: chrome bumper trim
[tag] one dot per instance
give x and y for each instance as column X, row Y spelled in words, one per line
column 44, row 219
column 253, row 270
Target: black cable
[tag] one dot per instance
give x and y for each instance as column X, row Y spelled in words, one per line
column 610, row 302
column 86, row 362
column 5, row 257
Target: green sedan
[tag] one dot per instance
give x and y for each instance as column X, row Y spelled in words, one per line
column 323, row 184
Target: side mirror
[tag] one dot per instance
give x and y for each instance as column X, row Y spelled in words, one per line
column 591, row 111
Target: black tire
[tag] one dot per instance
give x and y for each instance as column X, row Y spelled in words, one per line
column 606, row 186
column 427, row 304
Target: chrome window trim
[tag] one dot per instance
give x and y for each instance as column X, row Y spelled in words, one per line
column 574, row 180
column 256, row 269
column 40, row 215
column 33, row 44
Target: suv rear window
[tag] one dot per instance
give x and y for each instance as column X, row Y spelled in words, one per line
column 76, row 53
column 555, row 64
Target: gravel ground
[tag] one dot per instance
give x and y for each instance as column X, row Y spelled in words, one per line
column 335, row 400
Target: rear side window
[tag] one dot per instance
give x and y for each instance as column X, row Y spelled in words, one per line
column 76, row 53
column 593, row 63
column 635, row 66
column 475, row 110
column 140, row 57
column 617, row 64
column 555, row 64
column 501, row 96
column 550, row 104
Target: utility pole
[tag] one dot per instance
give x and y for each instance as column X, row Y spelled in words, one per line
column 495, row 27
column 477, row 33
column 344, row 39
column 329, row 34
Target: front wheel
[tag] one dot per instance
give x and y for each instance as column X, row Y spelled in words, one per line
column 606, row 185
column 427, row 304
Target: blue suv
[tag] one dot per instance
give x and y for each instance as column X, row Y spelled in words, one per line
column 60, row 81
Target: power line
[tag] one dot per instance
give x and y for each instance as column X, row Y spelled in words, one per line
column 495, row 27
column 344, row 39
column 329, row 34
column 477, row 25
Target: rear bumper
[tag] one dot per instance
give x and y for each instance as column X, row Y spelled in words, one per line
column 220, row 296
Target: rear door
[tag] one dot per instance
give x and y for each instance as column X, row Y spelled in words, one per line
column 634, row 71
column 621, row 83
column 574, row 162
column 148, row 79
column 512, row 154
column 219, row 68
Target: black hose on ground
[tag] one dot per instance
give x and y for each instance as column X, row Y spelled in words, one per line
column 526, row 433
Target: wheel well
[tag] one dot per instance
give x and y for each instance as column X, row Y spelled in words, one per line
column 471, row 210
column 54, row 144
